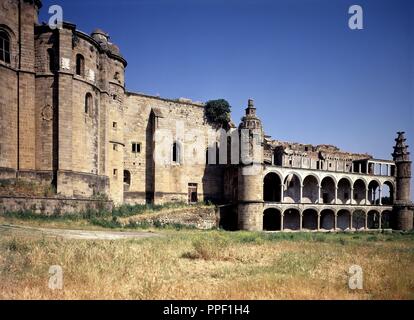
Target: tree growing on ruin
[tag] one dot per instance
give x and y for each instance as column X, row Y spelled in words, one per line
column 218, row 112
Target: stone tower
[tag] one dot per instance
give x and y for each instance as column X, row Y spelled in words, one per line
column 250, row 176
column 403, row 205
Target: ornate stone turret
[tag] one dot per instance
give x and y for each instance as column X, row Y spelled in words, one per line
column 250, row 208
column 403, row 205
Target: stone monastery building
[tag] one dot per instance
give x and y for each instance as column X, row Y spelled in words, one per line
column 66, row 119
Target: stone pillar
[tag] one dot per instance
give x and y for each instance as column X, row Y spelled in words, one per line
column 336, row 194
column 336, row 221
column 301, row 220
column 352, row 195
column 351, row 218
column 366, row 220
column 282, row 220
column 380, row 221
column 281, row 193
column 380, row 196
column 366, row 195
column 319, row 194
column 301, row 194
column 319, row 221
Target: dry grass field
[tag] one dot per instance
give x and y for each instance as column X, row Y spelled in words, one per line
column 189, row 264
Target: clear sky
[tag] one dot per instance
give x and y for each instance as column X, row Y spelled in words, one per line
column 312, row 78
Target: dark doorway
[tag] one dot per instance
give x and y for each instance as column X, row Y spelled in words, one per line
column 271, row 220
column 192, row 193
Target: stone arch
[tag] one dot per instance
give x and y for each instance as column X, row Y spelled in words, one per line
column 344, row 219
column 310, row 189
column 360, row 187
column 272, row 187
column 388, row 193
column 358, row 219
column 291, row 219
column 127, row 180
column 6, row 47
column 310, row 219
column 373, row 219
column 386, row 219
column 292, row 186
column 272, row 220
column 327, row 219
column 374, row 192
column 328, row 186
column 344, row 190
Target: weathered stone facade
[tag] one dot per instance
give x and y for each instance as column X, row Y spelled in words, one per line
column 66, row 119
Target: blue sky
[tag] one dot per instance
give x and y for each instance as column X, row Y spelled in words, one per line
column 312, row 78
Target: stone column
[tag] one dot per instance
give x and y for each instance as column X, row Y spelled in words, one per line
column 301, row 193
column 282, row 218
column 366, row 196
column 336, row 221
column 380, row 220
column 336, row 194
column 319, row 221
column 351, row 216
column 281, row 193
column 366, row 220
column 380, row 196
column 352, row 195
column 301, row 221
column 319, row 194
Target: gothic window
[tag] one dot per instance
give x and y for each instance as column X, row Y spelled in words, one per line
column 4, row 47
column 88, row 104
column 80, row 65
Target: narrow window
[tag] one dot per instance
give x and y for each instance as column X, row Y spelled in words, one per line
column 80, row 65
column 51, row 58
column 4, row 47
column 136, row 147
column 115, row 147
column 175, row 153
column 88, row 104
column 115, row 125
column 115, row 172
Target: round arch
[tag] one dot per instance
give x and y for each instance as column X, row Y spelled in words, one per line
column 360, row 188
column 292, row 185
column 344, row 219
column 310, row 219
column 272, row 188
column 344, row 190
column 291, row 219
column 328, row 189
column 388, row 193
column 373, row 220
column 272, row 219
column 327, row 219
column 311, row 185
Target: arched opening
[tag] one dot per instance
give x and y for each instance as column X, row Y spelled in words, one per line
column 127, row 180
column 358, row 220
column 310, row 190
column 359, row 191
column 272, row 188
column 291, row 220
column 387, row 194
column 5, row 54
column 328, row 190
column 88, row 103
column 344, row 191
column 292, row 188
column 344, row 220
column 327, row 219
column 310, row 219
column 386, row 220
column 373, row 220
column 373, row 192
column 271, row 220
column 80, row 65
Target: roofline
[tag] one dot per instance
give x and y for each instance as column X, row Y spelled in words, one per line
column 67, row 25
column 164, row 99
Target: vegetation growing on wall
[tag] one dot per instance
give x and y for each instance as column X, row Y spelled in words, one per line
column 218, row 113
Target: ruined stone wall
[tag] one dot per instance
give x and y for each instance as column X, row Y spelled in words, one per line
column 168, row 181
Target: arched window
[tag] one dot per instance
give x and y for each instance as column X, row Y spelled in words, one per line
column 176, row 153
column 127, row 177
column 51, row 58
column 4, row 47
column 80, row 65
column 88, row 104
